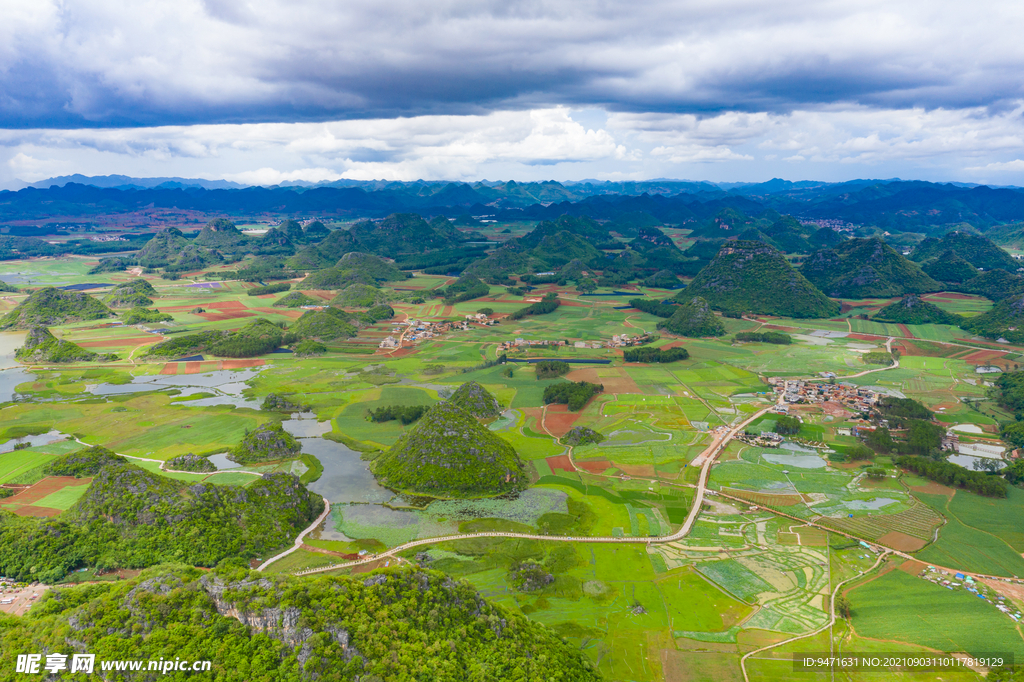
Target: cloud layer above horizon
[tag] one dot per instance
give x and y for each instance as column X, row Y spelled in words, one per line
column 459, row 89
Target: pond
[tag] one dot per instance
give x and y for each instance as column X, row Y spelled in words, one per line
column 228, row 383
column 42, row 439
column 796, row 461
column 968, row 461
column 11, row 373
column 874, row 504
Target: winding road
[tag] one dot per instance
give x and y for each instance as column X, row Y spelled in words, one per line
column 706, row 459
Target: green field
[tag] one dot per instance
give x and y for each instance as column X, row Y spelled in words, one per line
column 964, row 545
column 904, row 608
column 64, row 498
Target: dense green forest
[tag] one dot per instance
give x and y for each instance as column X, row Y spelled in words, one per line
column 448, row 453
column 777, row 338
column 573, row 394
column 954, row 475
column 398, row 624
column 647, row 354
column 551, row 369
column 548, row 304
column 131, row 518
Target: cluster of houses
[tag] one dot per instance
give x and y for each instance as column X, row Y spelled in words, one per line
column 481, row 318
column 854, row 398
column 617, row 341
column 417, row 330
column 767, row 439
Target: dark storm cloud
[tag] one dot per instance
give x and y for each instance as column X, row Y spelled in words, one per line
column 85, row 63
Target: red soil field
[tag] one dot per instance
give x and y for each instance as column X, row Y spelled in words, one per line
column 286, row 312
column 560, row 463
column 905, row 331
column 221, row 317
column 48, row 485
column 34, row 511
column 226, row 305
column 904, row 543
column 949, row 295
column 595, row 466
column 864, row 337
column 910, row 566
column 170, row 368
column 193, row 367
column 559, row 421
column 242, row 364
column 983, row 356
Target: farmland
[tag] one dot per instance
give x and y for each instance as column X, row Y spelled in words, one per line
column 744, row 576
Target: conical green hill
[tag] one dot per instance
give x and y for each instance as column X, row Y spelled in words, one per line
column 50, row 306
column 473, row 398
column 450, row 454
column 912, row 310
column 220, row 233
column 751, row 276
column 41, row 346
column 695, row 319
column 950, row 267
column 862, row 268
column 1005, row 320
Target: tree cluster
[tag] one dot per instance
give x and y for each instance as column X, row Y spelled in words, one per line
column 573, row 394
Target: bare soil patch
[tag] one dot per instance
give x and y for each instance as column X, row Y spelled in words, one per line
column 34, row 511
column 933, row 488
column 595, row 466
column 242, row 364
column 560, row 463
column 558, row 420
column 623, row 383
column 230, row 315
column 169, row 368
column 47, row 486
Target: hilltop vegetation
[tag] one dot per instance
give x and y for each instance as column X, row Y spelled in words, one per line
column 266, row 443
column 260, row 628
column 950, row 267
column 324, row 325
column 131, row 518
column 131, row 294
column 360, row 296
column 42, row 347
column 912, row 310
column 748, row 276
column 548, row 304
column 448, row 453
column 465, row 288
column 979, row 251
column 296, row 299
column 49, row 306
column 694, row 319
column 144, row 316
column 256, row 338
column 476, row 400
column 582, row 435
column 861, row 268
column 1005, row 320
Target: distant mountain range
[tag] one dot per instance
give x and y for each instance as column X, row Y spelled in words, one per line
column 894, row 205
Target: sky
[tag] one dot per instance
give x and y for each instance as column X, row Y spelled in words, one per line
column 318, row 90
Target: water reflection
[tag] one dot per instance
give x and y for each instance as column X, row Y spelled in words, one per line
column 228, row 383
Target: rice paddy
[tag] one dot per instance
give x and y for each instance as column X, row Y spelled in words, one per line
column 739, row 576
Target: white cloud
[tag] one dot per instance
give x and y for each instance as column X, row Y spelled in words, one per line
column 154, row 62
